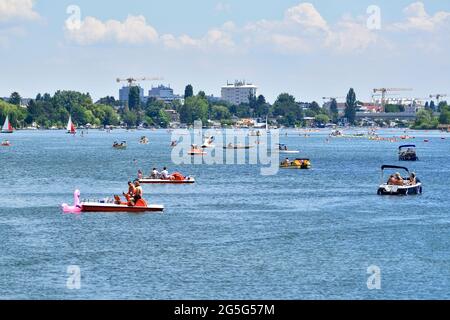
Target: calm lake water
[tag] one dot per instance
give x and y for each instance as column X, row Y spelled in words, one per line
column 235, row 234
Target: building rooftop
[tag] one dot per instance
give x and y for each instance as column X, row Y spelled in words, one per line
column 239, row 84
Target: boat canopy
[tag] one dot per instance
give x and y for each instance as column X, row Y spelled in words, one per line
column 407, row 146
column 394, row 167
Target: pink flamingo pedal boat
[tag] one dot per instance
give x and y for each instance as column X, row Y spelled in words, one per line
column 116, row 205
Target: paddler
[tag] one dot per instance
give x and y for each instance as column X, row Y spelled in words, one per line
column 154, row 174
column 286, row 162
column 165, row 174
column 131, row 190
column 138, row 193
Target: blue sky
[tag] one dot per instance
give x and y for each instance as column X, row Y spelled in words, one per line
column 310, row 49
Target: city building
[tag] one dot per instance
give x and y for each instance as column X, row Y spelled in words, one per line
column 212, row 99
column 125, row 92
column 238, row 92
column 163, row 93
column 23, row 102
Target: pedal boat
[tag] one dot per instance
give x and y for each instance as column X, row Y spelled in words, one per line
column 195, row 151
column 187, row 180
column 398, row 190
column 112, row 207
column 116, row 205
column 120, row 146
column 237, row 147
column 282, row 149
column 407, row 153
column 299, row 164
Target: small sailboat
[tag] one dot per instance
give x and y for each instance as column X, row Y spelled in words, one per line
column 7, row 128
column 70, row 126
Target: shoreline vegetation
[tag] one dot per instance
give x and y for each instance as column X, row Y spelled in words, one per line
column 52, row 112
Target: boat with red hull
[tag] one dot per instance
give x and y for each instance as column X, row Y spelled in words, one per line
column 116, row 205
column 112, row 207
column 166, row 181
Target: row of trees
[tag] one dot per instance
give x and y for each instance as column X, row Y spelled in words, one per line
column 285, row 109
column 47, row 110
column 426, row 119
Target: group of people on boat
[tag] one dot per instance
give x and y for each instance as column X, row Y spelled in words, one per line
column 296, row 163
column 144, row 140
column 120, row 145
column 133, row 196
column 163, row 175
column 397, row 180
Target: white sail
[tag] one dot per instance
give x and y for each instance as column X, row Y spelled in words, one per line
column 69, row 124
column 7, row 126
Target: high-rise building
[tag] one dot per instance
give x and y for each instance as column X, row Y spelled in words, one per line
column 125, row 92
column 163, row 93
column 238, row 92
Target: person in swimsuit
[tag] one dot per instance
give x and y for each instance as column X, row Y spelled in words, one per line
column 138, row 193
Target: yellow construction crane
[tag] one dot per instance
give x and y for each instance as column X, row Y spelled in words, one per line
column 384, row 92
column 131, row 81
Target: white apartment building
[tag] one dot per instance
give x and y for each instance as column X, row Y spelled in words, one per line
column 238, row 92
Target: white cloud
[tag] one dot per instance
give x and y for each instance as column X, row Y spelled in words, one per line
column 417, row 18
column 351, row 35
column 17, row 9
column 302, row 29
column 306, row 16
column 216, row 38
column 134, row 30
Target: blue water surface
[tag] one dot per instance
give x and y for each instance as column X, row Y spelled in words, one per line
column 235, row 234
